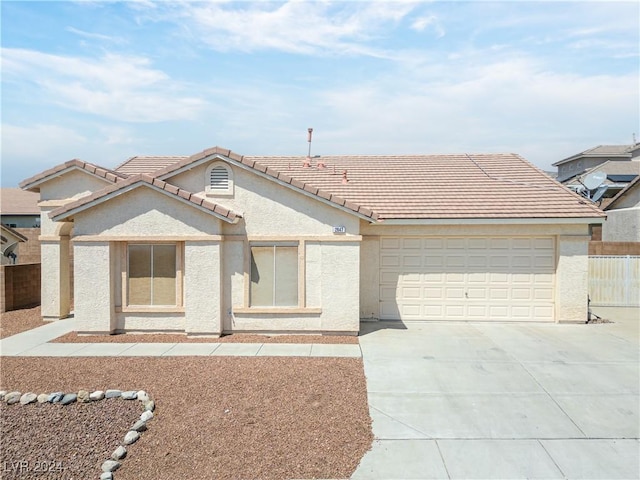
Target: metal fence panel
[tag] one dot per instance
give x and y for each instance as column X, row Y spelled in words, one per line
column 614, row 281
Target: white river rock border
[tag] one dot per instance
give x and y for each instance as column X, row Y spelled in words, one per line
column 110, row 465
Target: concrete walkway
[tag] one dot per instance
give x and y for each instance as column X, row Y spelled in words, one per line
column 34, row 343
column 502, row 401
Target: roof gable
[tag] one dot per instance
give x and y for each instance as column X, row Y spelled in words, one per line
column 633, row 187
column 280, row 177
column 137, row 181
column 109, row 176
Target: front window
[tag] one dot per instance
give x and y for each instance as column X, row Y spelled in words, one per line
column 274, row 276
column 152, row 275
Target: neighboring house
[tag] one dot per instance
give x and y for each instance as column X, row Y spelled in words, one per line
column 19, row 210
column 578, row 164
column 218, row 242
column 623, row 215
column 9, row 241
column 619, row 174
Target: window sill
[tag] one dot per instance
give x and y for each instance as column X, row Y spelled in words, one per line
column 150, row 309
column 277, row 310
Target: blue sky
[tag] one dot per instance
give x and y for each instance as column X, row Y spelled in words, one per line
column 103, row 81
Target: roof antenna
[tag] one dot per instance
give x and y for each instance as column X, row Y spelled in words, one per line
column 307, row 161
column 634, row 138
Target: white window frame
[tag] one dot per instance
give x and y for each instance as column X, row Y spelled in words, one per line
column 214, row 192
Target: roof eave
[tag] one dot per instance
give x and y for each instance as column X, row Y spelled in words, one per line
column 61, row 214
column 494, row 221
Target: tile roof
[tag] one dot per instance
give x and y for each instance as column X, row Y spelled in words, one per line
column 437, row 186
column 220, row 211
column 622, row 151
column 15, row 201
column 143, row 164
column 109, row 175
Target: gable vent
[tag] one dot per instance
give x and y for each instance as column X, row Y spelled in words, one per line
column 219, row 179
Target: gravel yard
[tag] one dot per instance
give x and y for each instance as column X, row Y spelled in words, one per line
column 18, row 321
column 223, row 418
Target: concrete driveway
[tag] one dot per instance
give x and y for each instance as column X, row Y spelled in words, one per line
column 504, row 401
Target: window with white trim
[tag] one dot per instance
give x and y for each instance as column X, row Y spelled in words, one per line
column 152, row 275
column 219, row 179
column 274, row 275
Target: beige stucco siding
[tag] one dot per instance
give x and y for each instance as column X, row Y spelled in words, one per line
column 94, row 287
column 269, row 208
column 622, row 225
column 72, row 184
column 145, row 212
column 203, row 288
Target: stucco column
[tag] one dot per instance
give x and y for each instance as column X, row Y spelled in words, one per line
column 572, row 278
column 56, row 284
column 94, row 284
column 203, row 288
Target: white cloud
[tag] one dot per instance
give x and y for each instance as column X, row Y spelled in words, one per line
column 94, row 36
column 420, row 24
column 114, row 86
column 298, row 27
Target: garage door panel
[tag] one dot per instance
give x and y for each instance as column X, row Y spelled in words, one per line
column 467, row 278
column 411, row 260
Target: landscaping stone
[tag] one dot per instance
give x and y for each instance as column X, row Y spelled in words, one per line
column 68, row 398
column 112, row 393
column 129, row 395
column 12, row 397
column 28, row 398
column 139, row 426
column 131, row 437
column 97, row 395
column 119, row 453
column 143, row 396
column 110, row 466
column 83, row 396
column 55, row 397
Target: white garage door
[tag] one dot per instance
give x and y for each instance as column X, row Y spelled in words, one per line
column 467, row 278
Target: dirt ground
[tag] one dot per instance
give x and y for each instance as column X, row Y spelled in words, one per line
column 216, row 417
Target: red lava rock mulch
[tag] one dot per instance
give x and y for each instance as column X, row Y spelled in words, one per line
column 73, row 337
column 216, row 417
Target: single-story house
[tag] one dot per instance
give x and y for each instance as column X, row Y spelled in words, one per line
column 218, row 242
